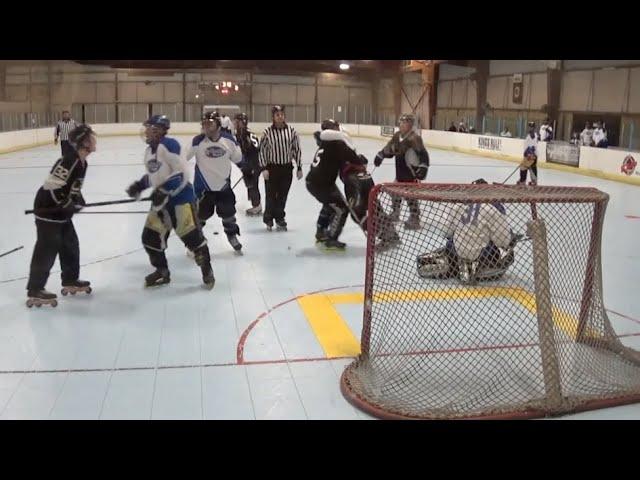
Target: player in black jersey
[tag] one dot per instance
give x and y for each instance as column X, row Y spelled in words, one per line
column 250, row 146
column 56, row 201
column 336, row 150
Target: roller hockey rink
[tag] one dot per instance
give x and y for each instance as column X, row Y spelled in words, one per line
column 270, row 341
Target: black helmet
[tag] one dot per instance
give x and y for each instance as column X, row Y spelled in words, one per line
column 277, row 108
column 242, row 117
column 161, row 121
column 480, row 181
column 329, row 124
column 213, row 116
column 407, row 117
column 531, row 124
column 79, row 134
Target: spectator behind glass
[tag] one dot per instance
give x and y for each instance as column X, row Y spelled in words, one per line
column 575, row 138
column 453, row 128
column 505, row 132
column 586, row 137
column 546, row 131
column 600, row 136
column 462, row 128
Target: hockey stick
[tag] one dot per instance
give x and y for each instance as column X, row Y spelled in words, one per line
column 353, row 213
column 111, row 212
column 505, row 181
column 236, row 184
column 97, row 204
column 11, row 251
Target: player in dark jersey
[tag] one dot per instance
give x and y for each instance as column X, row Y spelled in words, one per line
column 412, row 165
column 56, row 201
column 336, row 149
column 250, row 145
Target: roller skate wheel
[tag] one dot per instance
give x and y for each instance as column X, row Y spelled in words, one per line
column 29, row 304
column 38, row 304
column 64, row 291
column 54, row 303
column 88, row 290
column 73, row 292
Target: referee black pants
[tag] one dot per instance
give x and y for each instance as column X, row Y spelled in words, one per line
column 277, row 191
column 65, row 146
column 54, row 239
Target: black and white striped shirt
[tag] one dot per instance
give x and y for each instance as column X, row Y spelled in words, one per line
column 280, row 146
column 63, row 128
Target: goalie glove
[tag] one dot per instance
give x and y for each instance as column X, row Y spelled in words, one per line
column 515, row 238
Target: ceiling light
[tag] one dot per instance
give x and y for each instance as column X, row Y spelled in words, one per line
column 344, row 66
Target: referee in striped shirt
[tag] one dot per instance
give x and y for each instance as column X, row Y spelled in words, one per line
column 279, row 149
column 63, row 128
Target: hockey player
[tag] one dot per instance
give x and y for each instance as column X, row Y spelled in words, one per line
column 530, row 159
column 336, row 150
column 250, row 146
column 479, row 244
column 214, row 150
column 56, row 201
column 172, row 204
column 412, row 165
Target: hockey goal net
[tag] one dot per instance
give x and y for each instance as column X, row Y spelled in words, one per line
column 523, row 334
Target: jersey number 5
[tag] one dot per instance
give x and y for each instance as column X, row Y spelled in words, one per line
column 317, row 158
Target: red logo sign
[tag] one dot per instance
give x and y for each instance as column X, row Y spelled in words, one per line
column 628, row 165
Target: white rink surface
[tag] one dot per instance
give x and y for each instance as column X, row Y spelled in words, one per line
column 126, row 352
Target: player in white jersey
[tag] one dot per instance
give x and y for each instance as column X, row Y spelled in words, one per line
column 215, row 150
column 172, row 203
column 530, row 160
column 479, row 244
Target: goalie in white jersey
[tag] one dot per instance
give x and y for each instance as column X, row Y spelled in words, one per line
column 172, row 203
column 479, row 244
column 215, row 150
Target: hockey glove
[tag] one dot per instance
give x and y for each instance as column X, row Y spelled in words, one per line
column 421, row 172
column 158, row 200
column 70, row 208
column 135, row 189
column 378, row 160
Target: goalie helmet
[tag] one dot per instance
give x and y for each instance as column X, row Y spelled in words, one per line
column 480, row 181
